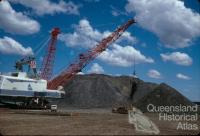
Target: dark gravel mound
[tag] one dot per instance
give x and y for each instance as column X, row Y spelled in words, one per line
column 88, row 91
column 163, row 95
column 95, row 91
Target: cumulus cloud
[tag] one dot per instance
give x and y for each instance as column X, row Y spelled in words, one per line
column 174, row 24
column 42, row 7
column 154, row 74
column 10, row 46
column 87, row 37
column 177, row 58
column 96, row 68
column 123, row 56
column 16, row 22
column 182, row 76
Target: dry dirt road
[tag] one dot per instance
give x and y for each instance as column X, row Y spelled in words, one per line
column 82, row 122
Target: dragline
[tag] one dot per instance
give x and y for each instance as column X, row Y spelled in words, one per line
column 31, row 89
column 65, row 76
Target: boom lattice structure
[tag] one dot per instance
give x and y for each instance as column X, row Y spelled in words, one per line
column 48, row 61
column 85, row 58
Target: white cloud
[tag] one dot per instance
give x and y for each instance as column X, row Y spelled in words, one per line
column 178, row 58
column 154, row 74
column 123, row 56
column 16, row 22
column 170, row 20
column 182, row 76
column 42, row 7
column 80, row 73
column 96, row 68
column 10, row 46
column 87, row 37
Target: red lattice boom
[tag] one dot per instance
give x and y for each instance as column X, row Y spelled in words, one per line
column 85, row 58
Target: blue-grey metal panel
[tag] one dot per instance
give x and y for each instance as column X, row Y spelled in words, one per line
column 14, row 93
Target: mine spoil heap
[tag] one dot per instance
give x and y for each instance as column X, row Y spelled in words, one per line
column 104, row 91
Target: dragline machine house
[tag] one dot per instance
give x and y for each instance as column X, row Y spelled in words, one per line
column 26, row 88
column 65, row 76
column 18, row 84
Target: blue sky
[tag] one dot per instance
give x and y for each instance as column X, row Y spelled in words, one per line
column 165, row 41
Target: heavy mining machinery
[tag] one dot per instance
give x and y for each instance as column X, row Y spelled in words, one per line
column 30, row 90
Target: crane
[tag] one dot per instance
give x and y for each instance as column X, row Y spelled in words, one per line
column 48, row 61
column 65, row 76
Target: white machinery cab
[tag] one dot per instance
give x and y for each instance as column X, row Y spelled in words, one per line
column 19, row 85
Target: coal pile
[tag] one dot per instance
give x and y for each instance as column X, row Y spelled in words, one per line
column 103, row 91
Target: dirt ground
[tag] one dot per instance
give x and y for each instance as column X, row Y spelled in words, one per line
column 77, row 122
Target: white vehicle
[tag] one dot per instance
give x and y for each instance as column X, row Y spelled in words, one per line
column 53, row 108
